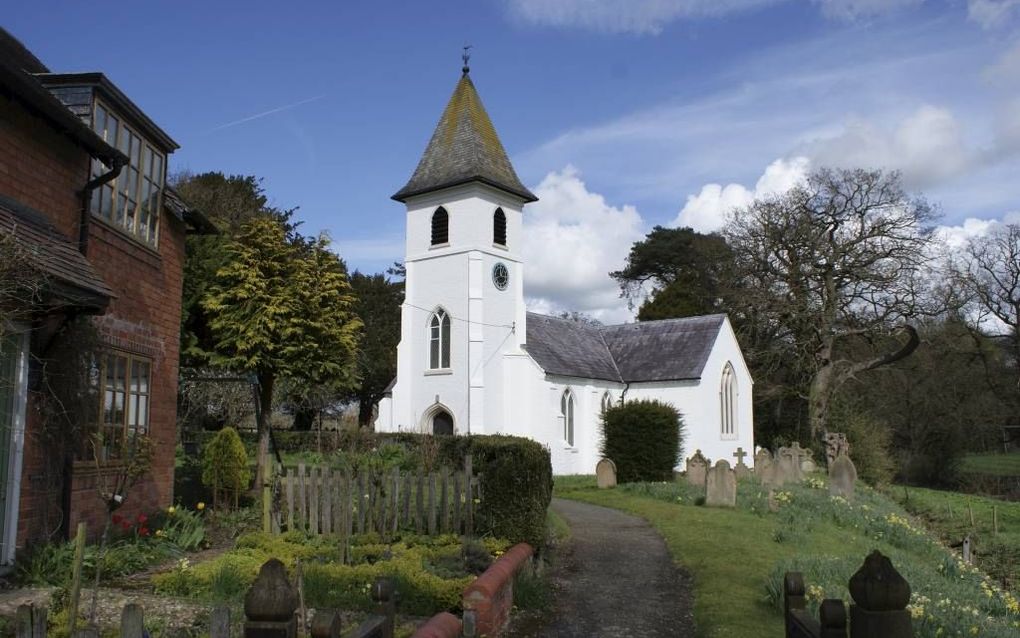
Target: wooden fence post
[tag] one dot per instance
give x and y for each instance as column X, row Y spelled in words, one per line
column 79, row 555
column 219, row 623
column 132, row 625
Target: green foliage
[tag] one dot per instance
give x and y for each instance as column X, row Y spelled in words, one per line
column 225, row 462
column 429, row 572
column 870, row 443
column 684, row 268
column 378, row 303
column 644, row 438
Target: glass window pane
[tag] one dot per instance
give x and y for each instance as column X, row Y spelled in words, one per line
column 157, row 168
column 132, row 183
column 112, row 124
column 446, row 341
column 106, row 205
column 119, row 209
column 132, row 410
column 136, row 148
column 143, row 414
column 434, row 353
column 99, row 120
column 143, row 376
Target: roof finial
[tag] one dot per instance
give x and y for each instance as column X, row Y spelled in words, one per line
column 466, row 56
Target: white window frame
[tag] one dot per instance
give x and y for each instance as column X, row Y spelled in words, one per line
column 567, row 416
column 17, row 448
column 607, row 401
column 728, row 408
column 439, row 330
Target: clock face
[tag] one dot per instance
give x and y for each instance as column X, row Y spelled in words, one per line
column 500, row 276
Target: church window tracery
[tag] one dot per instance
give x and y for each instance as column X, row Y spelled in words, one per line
column 567, row 414
column 439, row 340
column 728, row 402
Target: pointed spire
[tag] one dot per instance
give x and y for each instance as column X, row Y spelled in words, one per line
column 464, row 148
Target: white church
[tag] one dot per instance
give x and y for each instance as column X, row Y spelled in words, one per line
column 473, row 360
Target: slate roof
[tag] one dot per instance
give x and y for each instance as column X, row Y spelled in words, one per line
column 666, row 350
column 73, row 279
column 464, row 148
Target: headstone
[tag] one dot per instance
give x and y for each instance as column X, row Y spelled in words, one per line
column 741, row 469
column 836, row 445
column 326, row 624
column 880, row 597
column 270, row 604
column 807, row 463
column 219, row 623
column 764, row 467
column 132, row 623
column 605, row 473
column 788, row 466
column 697, row 468
column 842, row 476
column 721, row 486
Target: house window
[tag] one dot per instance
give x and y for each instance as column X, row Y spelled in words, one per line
column 567, row 414
column 728, row 402
column 131, row 200
column 499, row 227
column 440, row 227
column 607, row 401
column 439, row 340
column 124, row 410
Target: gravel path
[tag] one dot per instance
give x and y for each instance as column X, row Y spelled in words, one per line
column 616, row 578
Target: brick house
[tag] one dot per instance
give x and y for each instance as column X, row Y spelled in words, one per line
column 82, row 191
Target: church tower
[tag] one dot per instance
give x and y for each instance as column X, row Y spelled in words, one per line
column 463, row 311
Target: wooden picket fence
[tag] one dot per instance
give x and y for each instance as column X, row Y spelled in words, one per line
column 320, row 500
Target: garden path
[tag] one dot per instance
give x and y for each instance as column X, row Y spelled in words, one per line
column 616, row 579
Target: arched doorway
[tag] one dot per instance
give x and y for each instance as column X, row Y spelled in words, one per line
column 442, row 423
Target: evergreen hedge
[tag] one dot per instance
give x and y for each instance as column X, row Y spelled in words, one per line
column 644, row 439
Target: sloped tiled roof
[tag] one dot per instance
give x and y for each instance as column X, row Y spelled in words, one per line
column 72, row 277
column 464, row 148
column 569, row 348
column 666, row 350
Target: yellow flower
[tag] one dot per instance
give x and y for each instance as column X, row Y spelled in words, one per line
column 171, row 510
column 200, row 506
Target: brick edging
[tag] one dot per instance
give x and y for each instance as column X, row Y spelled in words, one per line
column 490, row 596
column 442, row 625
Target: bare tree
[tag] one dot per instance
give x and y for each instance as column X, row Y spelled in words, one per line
column 841, row 258
column 990, row 272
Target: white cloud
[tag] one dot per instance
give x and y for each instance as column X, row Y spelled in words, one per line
column 927, row 145
column 645, row 17
column 1005, row 71
column 710, row 208
column 992, row 13
column 574, row 239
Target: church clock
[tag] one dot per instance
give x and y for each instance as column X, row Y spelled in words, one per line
column 500, row 276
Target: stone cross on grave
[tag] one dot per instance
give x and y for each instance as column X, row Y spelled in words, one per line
column 739, row 455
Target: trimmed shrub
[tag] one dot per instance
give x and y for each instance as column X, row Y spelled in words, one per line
column 644, row 438
column 225, row 463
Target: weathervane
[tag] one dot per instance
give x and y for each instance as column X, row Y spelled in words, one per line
column 466, row 56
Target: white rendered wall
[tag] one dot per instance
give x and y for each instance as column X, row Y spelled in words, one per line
column 700, row 403
column 487, row 323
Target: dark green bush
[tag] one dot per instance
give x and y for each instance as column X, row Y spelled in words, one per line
column 644, row 439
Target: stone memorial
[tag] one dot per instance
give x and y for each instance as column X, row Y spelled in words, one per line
column 270, row 604
column 764, row 467
column 880, row 597
column 605, row 474
column 836, row 445
column 807, row 463
column 697, row 468
column 842, row 476
column 788, row 465
column 721, row 486
column 741, row 469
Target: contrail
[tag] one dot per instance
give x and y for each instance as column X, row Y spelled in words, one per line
column 264, row 113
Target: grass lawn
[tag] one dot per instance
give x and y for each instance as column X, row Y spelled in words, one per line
column 738, row 556
column 994, row 464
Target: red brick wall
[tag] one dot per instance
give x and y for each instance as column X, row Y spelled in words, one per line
column 43, row 169
column 491, row 595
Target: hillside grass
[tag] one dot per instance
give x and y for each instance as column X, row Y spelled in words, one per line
column 738, row 556
column 992, row 464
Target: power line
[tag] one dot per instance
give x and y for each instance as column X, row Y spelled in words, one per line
column 512, row 326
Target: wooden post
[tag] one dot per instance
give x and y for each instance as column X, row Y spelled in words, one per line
column 444, row 510
column 396, row 501
column 132, row 625
column 327, row 501
column 290, row 498
column 470, row 478
column 432, row 503
column 219, row 622
column 79, row 555
column 299, row 575
column 970, row 511
column 419, row 499
column 995, row 521
column 361, row 498
column 302, row 493
column 967, row 557
column 39, row 624
column 456, row 503
column 408, row 482
column 313, row 500
column 267, row 497
column 23, row 622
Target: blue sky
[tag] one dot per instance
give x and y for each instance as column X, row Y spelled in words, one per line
column 620, row 114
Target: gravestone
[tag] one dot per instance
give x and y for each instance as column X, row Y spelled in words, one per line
column 697, row 469
column 880, row 597
column 788, row 466
column 764, row 467
column 807, row 463
column 721, row 486
column 741, row 469
column 836, row 445
column 842, row 476
column 270, row 604
column 605, row 473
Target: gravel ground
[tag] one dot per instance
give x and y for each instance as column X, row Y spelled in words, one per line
column 616, row 578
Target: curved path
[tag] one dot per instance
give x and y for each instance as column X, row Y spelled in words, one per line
column 615, row 579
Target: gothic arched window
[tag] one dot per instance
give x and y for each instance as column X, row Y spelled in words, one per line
column 728, row 402
column 439, row 340
column 567, row 414
column 607, row 401
column 499, row 227
column 440, row 226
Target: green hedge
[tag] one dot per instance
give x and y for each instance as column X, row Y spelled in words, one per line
column 644, row 438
